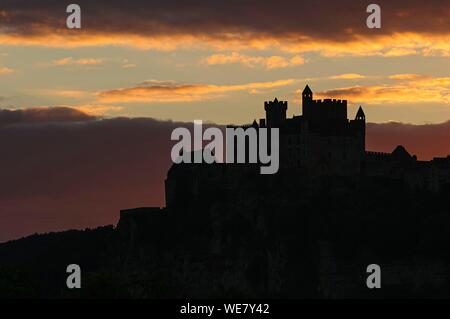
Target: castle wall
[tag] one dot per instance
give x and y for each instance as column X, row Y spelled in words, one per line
column 327, row 109
column 275, row 112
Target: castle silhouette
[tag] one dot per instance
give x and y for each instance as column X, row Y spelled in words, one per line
column 308, row 231
column 320, row 142
column 324, row 142
column 322, row 139
column 311, row 229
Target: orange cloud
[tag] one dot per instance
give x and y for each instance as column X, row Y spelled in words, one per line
column 128, row 66
column 347, row 76
column 405, row 76
column 72, row 61
column 75, row 94
column 398, row 44
column 5, row 70
column 409, row 26
column 407, row 89
column 97, row 110
column 270, row 62
column 163, row 92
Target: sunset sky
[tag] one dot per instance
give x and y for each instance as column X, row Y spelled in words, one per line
column 86, row 115
column 219, row 60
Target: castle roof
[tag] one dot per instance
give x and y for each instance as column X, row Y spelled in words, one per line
column 307, row 89
column 360, row 112
column 401, row 153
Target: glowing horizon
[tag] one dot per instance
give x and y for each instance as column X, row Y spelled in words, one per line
column 209, row 62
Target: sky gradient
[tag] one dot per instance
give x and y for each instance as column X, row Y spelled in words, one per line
column 219, row 60
column 86, row 115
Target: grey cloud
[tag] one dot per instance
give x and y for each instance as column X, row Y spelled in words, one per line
column 330, row 19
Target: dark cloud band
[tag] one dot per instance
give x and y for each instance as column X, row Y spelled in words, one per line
column 330, row 19
column 56, row 177
column 42, row 115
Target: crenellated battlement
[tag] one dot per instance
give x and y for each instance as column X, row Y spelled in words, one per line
column 377, row 154
column 275, row 112
column 275, row 103
column 329, row 102
column 322, row 110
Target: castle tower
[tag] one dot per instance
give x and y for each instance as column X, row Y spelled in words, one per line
column 275, row 112
column 307, row 97
column 360, row 115
column 360, row 120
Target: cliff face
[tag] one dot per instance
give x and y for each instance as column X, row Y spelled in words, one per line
column 241, row 234
column 35, row 266
column 227, row 238
column 229, row 232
